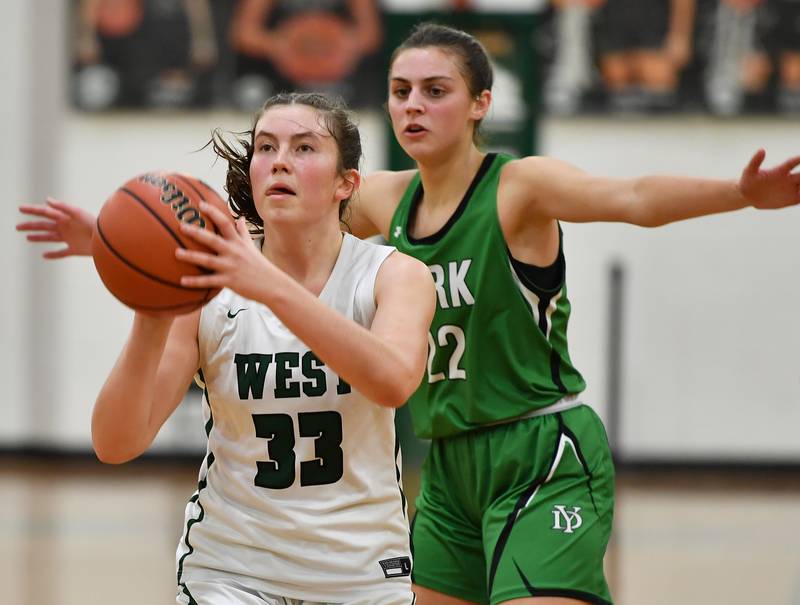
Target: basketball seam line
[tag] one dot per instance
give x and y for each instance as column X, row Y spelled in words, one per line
column 158, row 218
column 180, row 177
column 199, row 193
column 185, row 180
column 143, row 272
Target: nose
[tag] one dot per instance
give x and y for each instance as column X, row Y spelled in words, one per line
column 414, row 102
column 281, row 162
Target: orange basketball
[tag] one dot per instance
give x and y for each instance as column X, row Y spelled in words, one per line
column 137, row 233
column 318, row 48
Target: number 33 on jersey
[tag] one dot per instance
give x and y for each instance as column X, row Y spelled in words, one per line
column 310, row 464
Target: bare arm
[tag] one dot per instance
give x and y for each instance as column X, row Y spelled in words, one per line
column 145, row 386
column 404, row 293
column 385, row 362
column 543, row 188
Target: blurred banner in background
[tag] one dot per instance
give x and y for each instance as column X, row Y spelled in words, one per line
column 234, row 53
column 724, row 57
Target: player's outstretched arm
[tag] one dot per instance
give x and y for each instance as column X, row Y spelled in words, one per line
column 57, row 221
column 541, row 188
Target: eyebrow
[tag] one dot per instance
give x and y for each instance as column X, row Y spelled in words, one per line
column 428, row 79
column 298, row 135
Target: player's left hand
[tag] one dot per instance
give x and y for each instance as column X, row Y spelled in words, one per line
column 770, row 188
column 236, row 263
column 57, row 221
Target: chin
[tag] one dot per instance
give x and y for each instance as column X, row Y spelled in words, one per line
column 425, row 153
column 282, row 216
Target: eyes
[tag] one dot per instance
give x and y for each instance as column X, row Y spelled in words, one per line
column 301, row 148
column 433, row 91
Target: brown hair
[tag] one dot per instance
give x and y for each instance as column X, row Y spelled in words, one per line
column 239, row 152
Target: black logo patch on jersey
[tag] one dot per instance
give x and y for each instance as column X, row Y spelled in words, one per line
column 396, row 567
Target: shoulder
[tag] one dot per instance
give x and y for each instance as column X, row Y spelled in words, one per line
column 401, row 268
column 385, row 187
column 526, row 183
column 377, row 199
column 404, row 284
column 532, row 169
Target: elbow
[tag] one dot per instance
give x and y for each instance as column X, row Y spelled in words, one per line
column 644, row 209
column 396, row 392
column 109, row 452
column 640, row 215
column 390, row 395
column 110, row 456
column 650, row 222
column 393, row 399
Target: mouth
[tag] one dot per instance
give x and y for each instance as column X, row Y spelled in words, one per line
column 280, row 189
column 414, row 129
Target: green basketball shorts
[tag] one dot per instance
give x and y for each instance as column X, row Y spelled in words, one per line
column 517, row 510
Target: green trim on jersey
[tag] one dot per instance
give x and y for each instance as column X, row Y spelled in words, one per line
column 201, row 485
column 497, row 345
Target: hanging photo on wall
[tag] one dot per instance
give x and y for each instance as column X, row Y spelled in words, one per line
column 156, row 54
column 144, row 53
column 331, row 46
column 724, row 57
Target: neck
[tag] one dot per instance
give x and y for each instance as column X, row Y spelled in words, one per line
column 304, row 253
column 446, row 179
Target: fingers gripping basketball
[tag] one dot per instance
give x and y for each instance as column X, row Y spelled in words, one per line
column 136, row 234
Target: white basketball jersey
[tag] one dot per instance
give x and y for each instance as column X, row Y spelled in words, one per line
column 299, row 493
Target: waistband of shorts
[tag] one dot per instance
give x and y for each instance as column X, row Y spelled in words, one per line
column 565, row 403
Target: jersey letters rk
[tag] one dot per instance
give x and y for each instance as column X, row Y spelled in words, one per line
column 497, row 344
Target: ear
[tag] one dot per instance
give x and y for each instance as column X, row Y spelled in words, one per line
column 348, row 184
column 480, row 105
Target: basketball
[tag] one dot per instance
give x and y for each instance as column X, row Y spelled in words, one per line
column 135, row 237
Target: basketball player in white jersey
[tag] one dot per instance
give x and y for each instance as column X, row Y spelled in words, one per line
column 314, row 340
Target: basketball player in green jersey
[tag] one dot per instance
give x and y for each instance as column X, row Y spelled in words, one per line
column 517, row 492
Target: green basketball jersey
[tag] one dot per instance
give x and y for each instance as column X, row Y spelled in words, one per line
column 497, row 343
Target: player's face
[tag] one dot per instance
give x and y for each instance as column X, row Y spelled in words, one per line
column 294, row 170
column 429, row 102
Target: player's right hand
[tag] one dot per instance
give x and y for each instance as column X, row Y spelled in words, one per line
column 61, row 222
